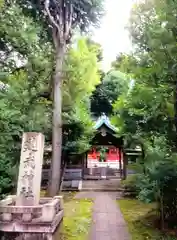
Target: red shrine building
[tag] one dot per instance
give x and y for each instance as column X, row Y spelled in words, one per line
column 106, row 148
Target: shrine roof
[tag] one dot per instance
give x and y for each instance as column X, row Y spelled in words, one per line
column 104, row 120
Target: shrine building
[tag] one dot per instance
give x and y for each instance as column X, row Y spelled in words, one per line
column 107, row 147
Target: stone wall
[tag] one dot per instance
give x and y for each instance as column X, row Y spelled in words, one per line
column 25, row 236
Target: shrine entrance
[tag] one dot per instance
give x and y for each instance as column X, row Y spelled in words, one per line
column 105, row 158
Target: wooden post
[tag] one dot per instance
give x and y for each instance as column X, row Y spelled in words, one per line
column 125, row 162
column 120, row 162
column 86, row 159
column 83, row 164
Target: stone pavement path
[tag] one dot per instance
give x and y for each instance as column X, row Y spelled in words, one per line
column 107, row 221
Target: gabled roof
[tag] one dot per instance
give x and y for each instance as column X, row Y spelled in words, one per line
column 104, row 120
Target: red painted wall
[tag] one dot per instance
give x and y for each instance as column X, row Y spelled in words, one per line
column 112, row 155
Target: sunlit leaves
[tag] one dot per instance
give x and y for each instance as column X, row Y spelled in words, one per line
column 81, row 78
column 149, row 107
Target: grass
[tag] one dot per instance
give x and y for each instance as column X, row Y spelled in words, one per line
column 77, row 218
column 140, row 219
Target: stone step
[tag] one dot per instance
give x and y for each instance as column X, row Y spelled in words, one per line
column 90, row 177
column 102, row 190
column 101, row 185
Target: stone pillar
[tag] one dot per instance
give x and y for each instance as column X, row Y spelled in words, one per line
column 29, row 179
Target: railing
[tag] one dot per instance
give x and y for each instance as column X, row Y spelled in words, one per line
column 69, row 174
column 101, row 171
column 96, row 164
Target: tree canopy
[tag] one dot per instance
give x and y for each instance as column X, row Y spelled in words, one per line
column 27, row 66
column 113, row 84
column 146, row 114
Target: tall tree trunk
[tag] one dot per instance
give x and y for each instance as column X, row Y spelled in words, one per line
column 57, row 122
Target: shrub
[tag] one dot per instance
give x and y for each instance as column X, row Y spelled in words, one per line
column 7, row 175
column 146, row 189
column 130, row 185
column 135, row 167
column 160, row 185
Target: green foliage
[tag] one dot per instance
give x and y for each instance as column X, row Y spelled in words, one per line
column 27, row 66
column 149, row 107
column 81, row 73
column 141, row 220
column 103, row 151
column 159, row 184
column 81, row 77
column 26, row 62
column 19, row 112
column 147, row 114
column 77, row 219
column 1, row 3
column 62, row 19
column 83, row 13
column 136, row 167
column 131, row 185
column 112, row 86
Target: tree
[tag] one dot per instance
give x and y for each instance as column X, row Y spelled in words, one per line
column 152, row 67
column 147, row 113
column 26, row 65
column 92, row 44
column 81, row 77
column 26, row 104
column 63, row 17
column 30, row 73
column 113, row 84
column 153, row 26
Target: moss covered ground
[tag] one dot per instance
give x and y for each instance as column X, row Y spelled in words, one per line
column 77, row 218
column 140, row 218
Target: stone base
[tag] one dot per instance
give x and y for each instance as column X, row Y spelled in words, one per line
column 26, row 236
column 32, row 227
column 75, row 185
column 44, row 218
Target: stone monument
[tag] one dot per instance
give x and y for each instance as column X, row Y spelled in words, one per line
column 29, row 178
column 26, row 214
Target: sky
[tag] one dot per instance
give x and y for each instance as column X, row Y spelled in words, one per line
column 112, row 34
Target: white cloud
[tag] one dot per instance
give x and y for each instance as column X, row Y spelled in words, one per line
column 112, row 34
